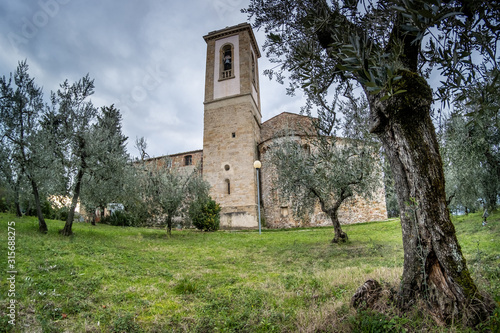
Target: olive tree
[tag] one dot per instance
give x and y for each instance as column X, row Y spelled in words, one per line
column 162, row 192
column 461, row 158
column 88, row 144
column 319, row 167
column 470, row 139
column 167, row 192
column 9, row 179
column 21, row 107
column 73, row 119
column 105, row 181
column 388, row 47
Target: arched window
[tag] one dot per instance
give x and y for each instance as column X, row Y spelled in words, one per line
column 307, row 149
column 227, row 59
column 228, row 185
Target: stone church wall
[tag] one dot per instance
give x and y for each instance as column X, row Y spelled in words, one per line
column 285, row 123
column 279, row 213
column 184, row 163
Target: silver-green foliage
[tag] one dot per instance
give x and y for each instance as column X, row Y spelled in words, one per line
column 326, row 169
column 25, row 159
column 320, row 43
column 89, row 146
column 331, row 169
column 163, row 193
column 471, row 150
column 105, row 181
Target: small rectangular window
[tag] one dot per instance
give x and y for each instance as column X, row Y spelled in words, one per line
column 188, row 160
column 284, row 211
column 233, row 134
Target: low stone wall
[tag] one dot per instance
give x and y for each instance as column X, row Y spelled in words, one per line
column 241, row 217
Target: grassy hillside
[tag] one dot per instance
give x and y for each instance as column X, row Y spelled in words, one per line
column 114, row 279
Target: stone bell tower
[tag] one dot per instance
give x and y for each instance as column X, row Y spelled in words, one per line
column 232, row 120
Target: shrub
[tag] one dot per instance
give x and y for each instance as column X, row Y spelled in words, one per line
column 62, row 213
column 47, row 210
column 119, row 218
column 4, row 202
column 205, row 214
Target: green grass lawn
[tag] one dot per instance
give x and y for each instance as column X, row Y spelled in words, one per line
column 114, row 279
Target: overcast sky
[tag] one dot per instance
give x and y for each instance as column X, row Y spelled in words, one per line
column 147, row 57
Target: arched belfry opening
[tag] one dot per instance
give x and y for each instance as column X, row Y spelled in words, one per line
column 226, row 61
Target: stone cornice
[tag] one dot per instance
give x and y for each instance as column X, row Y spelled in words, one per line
column 229, row 31
column 234, row 97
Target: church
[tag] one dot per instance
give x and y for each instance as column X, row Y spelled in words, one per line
column 234, row 137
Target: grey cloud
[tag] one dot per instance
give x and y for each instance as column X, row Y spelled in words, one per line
column 147, row 58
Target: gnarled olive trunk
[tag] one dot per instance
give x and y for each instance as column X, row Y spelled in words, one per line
column 17, row 200
column 18, row 208
column 94, row 218
column 42, row 226
column 340, row 236
column 67, row 230
column 169, row 224
column 434, row 267
column 333, row 213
